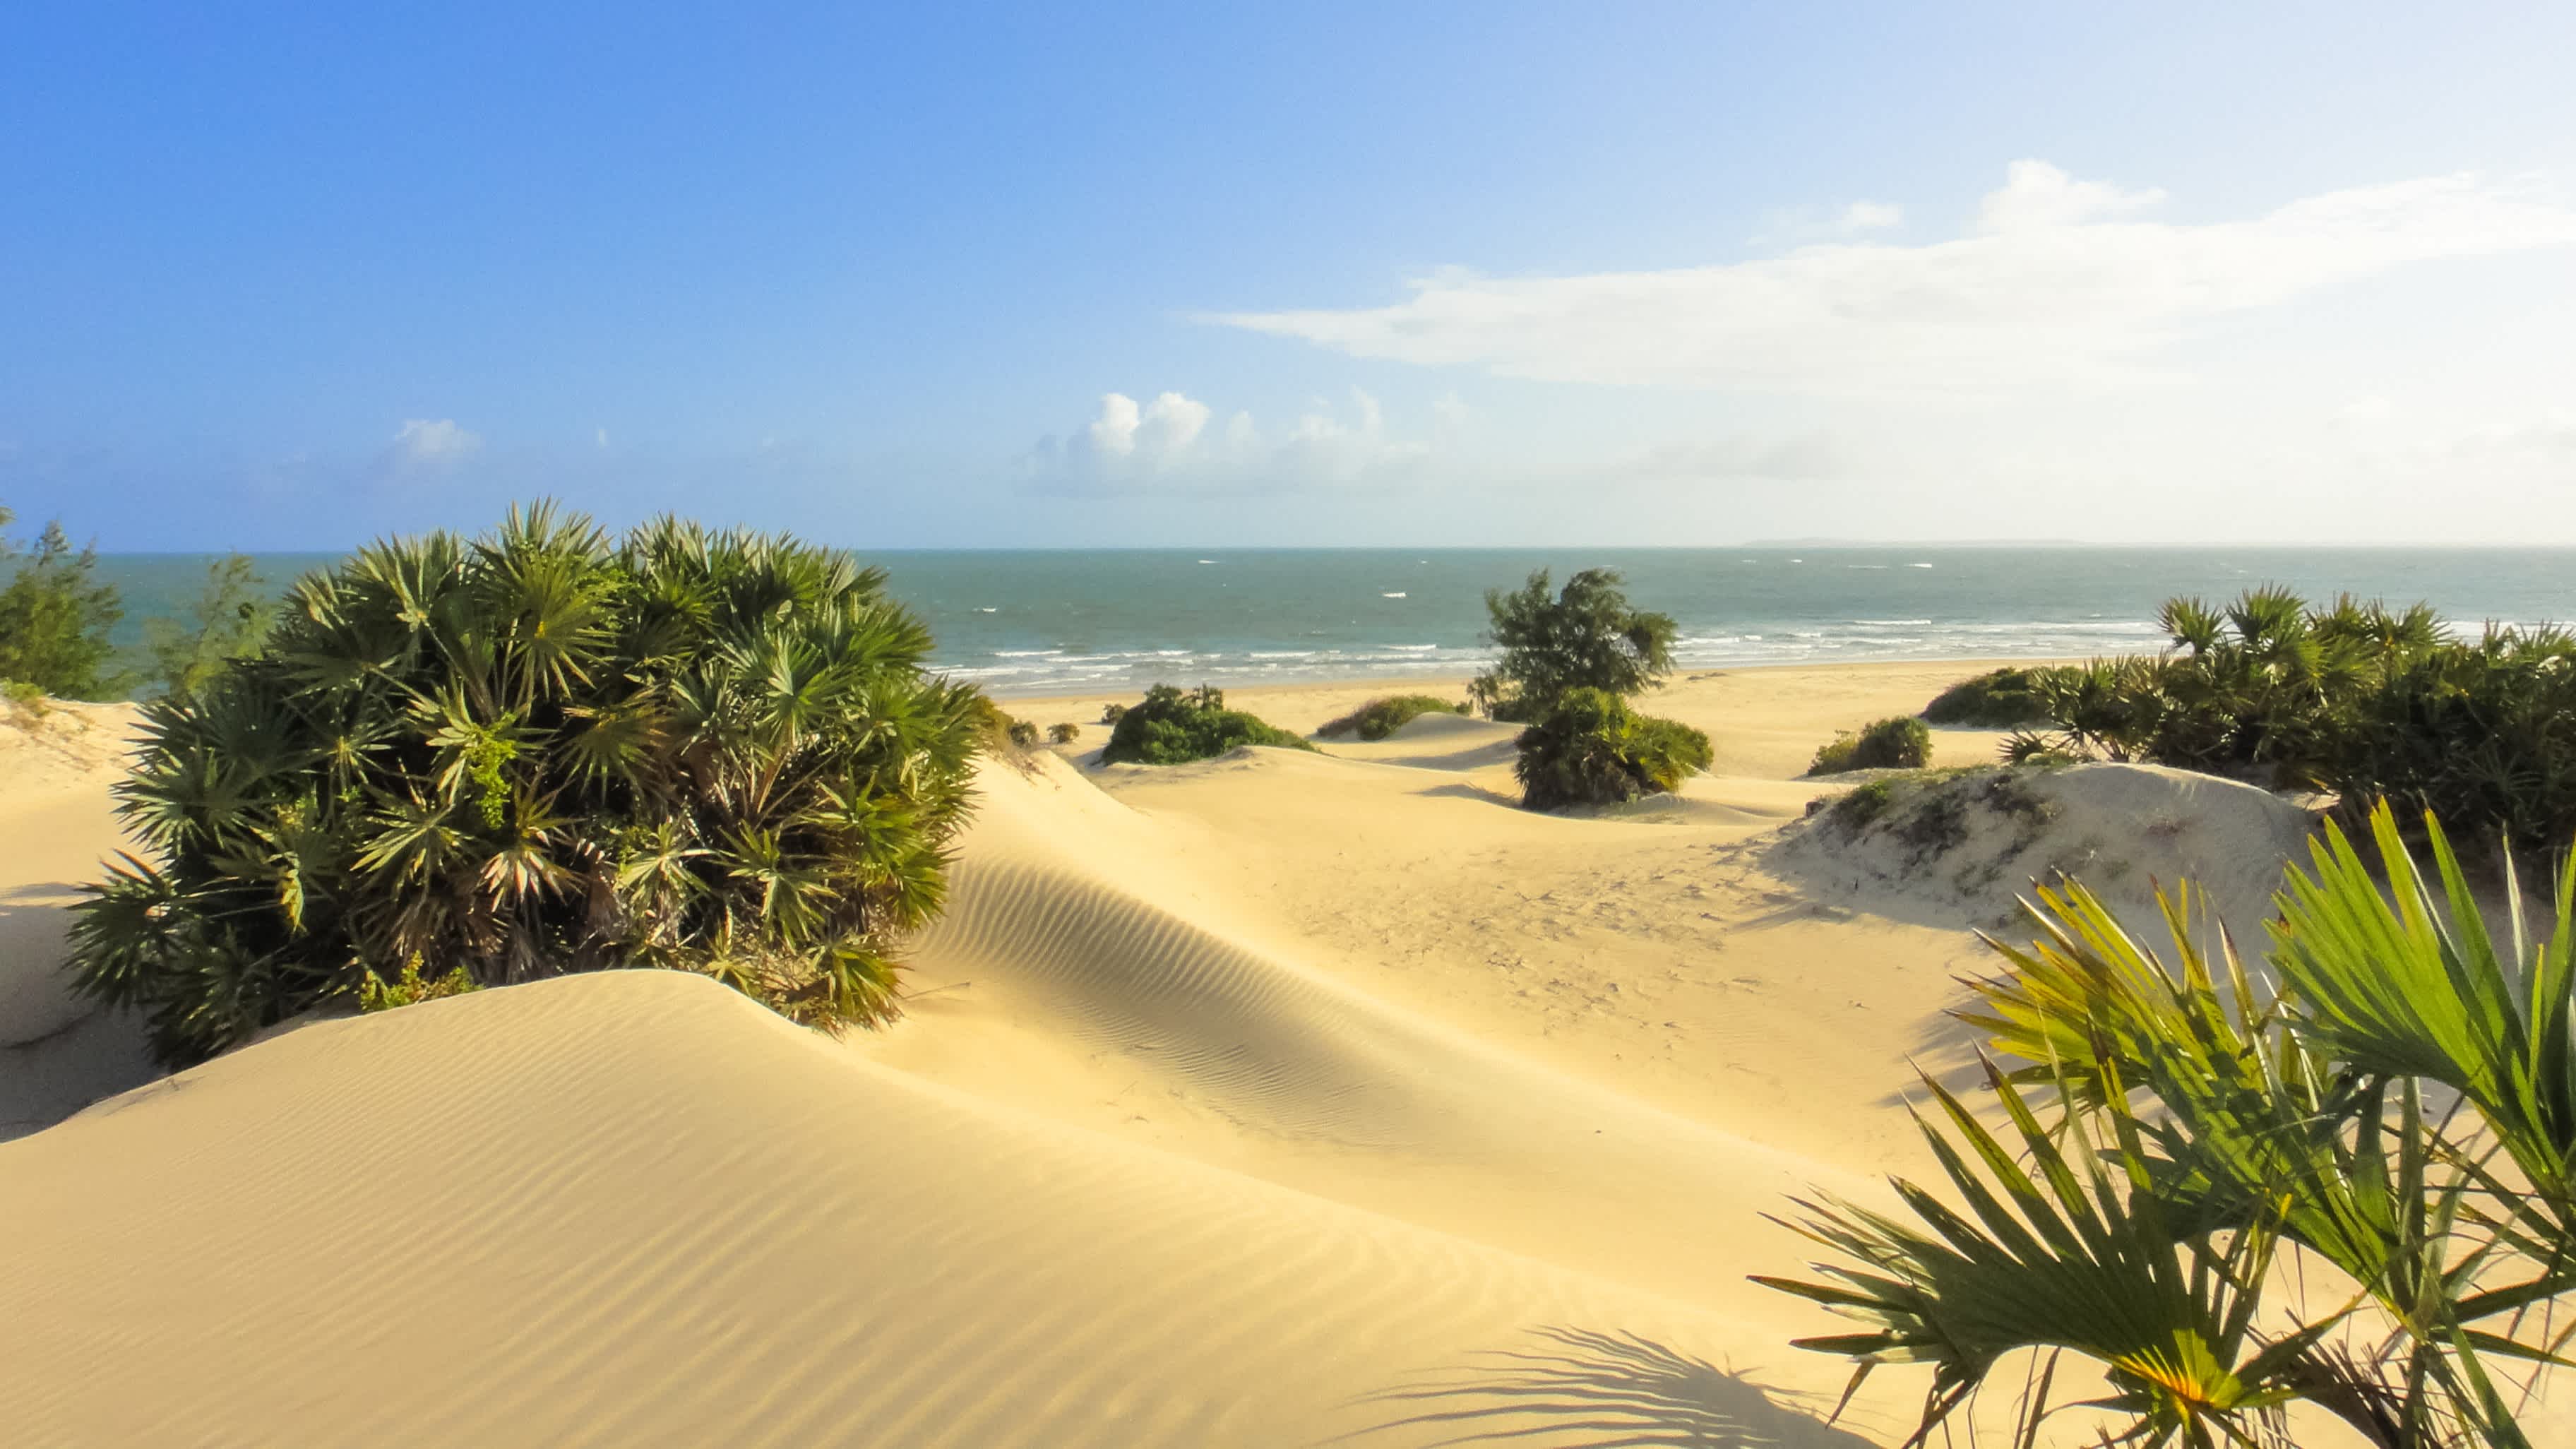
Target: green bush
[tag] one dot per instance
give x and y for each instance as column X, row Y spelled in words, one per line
column 1064, row 733
column 1586, row 637
column 1023, row 734
column 1379, row 718
column 1899, row 742
column 1593, row 750
column 55, row 616
column 540, row 752
column 1171, row 726
column 1998, row 699
column 1109, row 713
column 2352, row 699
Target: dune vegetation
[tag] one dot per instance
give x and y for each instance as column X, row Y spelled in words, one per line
column 1586, row 636
column 1591, row 749
column 1379, row 718
column 1899, row 742
column 1997, row 699
column 1567, row 664
column 55, row 616
column 2231, row 1200
column 542, row 751
column 1173, row 726
column 2351, row 699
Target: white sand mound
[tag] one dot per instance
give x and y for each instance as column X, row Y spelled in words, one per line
column 1970, row 843
column 634, row 1208
column 57, row 1053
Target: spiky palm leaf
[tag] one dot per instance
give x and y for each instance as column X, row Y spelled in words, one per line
column 2239, row 1119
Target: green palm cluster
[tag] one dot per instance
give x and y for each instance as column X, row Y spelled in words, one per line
column 2246, row 1196
column 2353, row 698
column 543, row 751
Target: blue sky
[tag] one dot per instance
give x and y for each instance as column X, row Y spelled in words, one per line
column 293, row 276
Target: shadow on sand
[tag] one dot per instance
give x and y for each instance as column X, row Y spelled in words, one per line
column 1580, row 1389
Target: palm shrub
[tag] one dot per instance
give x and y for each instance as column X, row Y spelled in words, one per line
column 542, row 751
column 2246, row 1197
column 1591, row 749
column 1380, row 718
column 1171, row 726
column 1587, row 636
column 1899, row 742
column 2353, row 699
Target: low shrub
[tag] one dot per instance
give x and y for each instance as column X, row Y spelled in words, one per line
column 410, row 988
column 1998, row 699
column 1109, row 713
column 1593, row 750
column 1860, row 806
column 1171, row 726
column 1899, row 742
column 1379, row 718
column 1023, row 734
column 1064, row 733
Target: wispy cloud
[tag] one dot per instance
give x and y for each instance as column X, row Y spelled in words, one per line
column 2061, row 280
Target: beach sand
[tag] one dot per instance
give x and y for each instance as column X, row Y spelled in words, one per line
column 1281, row 1099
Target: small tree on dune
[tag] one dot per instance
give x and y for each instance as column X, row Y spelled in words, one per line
column 1585, row 636
column 228, row 621
column 55, row 616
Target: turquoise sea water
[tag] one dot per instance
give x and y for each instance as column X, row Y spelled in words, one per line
column 1115, row 621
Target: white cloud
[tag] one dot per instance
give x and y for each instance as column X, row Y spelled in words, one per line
column 2059, row 282
column 2036, row 194
column 1167, row 444
column 602, row 438
column 1154, row 438
column 1863, row 216
column 423, row 443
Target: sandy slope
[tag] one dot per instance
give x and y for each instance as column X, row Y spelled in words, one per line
column 1282, row 1099
column 56, row 765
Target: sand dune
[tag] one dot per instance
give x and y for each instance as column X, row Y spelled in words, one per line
column 634, row 1208
column 1282, row 1099
column 56, row 1053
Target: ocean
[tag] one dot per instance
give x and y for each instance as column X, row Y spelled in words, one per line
column 1050, row 622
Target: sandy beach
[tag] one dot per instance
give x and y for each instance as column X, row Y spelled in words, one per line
column 1281, row 1099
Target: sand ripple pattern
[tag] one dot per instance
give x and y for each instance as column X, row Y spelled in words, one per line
column 636, row 1209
